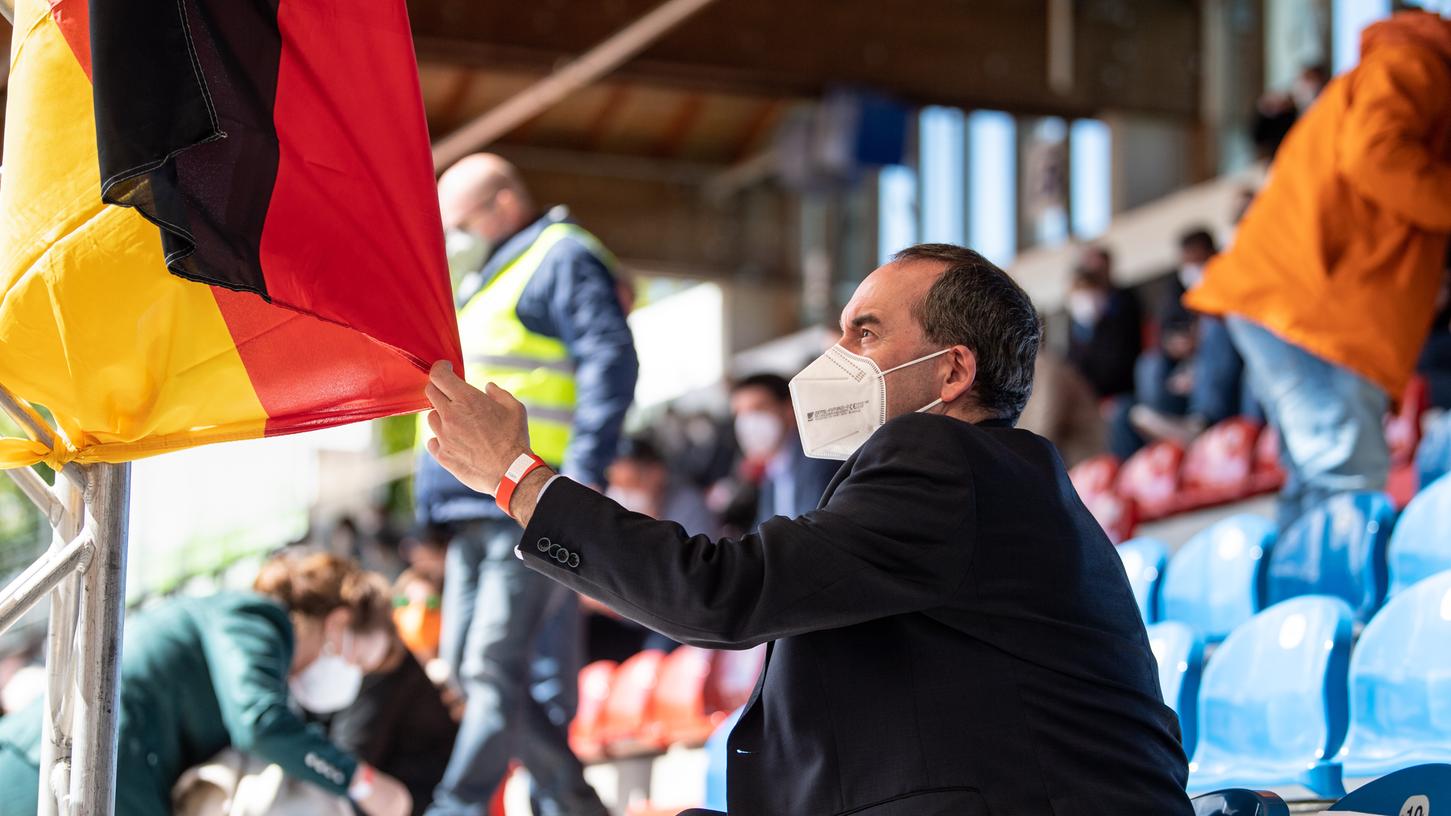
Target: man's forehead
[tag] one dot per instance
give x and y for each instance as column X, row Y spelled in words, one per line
column 890, row 291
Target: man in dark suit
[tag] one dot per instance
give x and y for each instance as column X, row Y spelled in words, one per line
column 766, row 431
column 950, row 632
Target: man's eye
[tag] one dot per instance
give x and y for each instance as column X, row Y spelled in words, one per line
column 866, row 333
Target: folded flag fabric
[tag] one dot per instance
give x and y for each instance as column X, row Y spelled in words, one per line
column 217, row 221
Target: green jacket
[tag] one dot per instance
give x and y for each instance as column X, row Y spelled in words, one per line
column 199, row 675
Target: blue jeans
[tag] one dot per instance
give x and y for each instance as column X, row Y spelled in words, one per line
column 512, row 638
column 1330, row 419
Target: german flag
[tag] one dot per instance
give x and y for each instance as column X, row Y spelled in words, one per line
column 217, row 221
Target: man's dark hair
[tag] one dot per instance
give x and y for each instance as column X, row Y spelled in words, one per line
column 774, row 384
column 975, row 304
column 1199, row 239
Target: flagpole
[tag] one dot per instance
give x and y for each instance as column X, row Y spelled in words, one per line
column 98, row 644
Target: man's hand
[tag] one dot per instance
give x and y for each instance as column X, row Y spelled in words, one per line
column 477, row 434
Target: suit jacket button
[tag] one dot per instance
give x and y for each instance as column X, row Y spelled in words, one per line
column 573, row 560
column 544, row 544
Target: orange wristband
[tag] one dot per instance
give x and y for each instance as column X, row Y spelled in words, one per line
column 526, row 464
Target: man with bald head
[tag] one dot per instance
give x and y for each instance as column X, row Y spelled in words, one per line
column 539, row 315
column 950, row 631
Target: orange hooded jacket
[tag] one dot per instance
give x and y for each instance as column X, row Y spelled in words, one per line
column 1341, row 253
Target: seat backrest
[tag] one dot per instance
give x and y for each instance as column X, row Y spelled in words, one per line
column 1336, row 548
column 1240, row 802
column 1144, row 560
column 1275, row 689
column 1421, row 544
column 717, row 754
column 1408, row 792
column 733, row 676
column 1118, row 516
column 1400, row 675
column 628, row 707
column 1094, row 475
column 1180, row 655
column 680, row 692
column 1222, row 458
column 1214, row 582
column 1151, row 478
column 595, row 681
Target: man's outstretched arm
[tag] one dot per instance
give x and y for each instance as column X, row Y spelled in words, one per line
column 894, row 538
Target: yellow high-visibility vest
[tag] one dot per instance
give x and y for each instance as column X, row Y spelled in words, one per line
column 499, row 348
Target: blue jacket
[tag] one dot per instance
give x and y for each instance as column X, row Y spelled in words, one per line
column 571, row 297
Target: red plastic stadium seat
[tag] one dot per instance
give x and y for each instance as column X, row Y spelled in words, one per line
column 1151, row 478
column 1118, row 516
column 1268, row 475
column 733, row 676
column 1095, row 475
column 679, row 712
column 595, row 681
column 1403, row 428
column 1219, row 465
column 622, row 723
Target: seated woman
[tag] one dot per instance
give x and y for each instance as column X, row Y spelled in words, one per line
column 199, row 675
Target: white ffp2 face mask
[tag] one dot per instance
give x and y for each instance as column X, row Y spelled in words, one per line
column 329, row 683
column 841, row 400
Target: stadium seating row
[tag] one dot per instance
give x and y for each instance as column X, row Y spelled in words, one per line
column 1352, row 547
column 652, row 700
column 1285, row 700
column 1235, row 460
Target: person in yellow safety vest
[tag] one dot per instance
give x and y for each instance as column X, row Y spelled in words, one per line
column 539, row 314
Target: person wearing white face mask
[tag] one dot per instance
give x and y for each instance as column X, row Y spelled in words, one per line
column 765, row 423
column 950, row 631
column 202, row 675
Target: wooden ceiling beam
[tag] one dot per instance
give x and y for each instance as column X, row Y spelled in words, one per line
column 1128, row 55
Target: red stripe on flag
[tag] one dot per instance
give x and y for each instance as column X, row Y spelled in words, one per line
column 311, row 374
column 73, row 18
column 353, row 227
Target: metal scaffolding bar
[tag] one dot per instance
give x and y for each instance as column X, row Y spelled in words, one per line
column 98, row 644
column 55, row 724
column 84, row 572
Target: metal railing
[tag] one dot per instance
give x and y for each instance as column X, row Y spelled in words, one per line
column 84, row 575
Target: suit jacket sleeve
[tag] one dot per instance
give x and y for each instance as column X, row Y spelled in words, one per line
column 894, row 537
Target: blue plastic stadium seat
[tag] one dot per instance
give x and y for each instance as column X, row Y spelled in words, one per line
column 1272, row 707
column 1421, row 544
column 1337, row 548
column 1240, row 802
column 1144, row 560
column 1400, row 684
column 715, row 768
column 1433, row 455
column 1410, row 792
column 1180, row 655
column 1215, row 582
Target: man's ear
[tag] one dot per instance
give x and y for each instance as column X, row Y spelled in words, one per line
column 961, row 374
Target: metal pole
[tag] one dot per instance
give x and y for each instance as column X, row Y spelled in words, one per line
column 98, row 644
column 45, row 574
column 578, row 73
column 55, row 724
column 46, row 500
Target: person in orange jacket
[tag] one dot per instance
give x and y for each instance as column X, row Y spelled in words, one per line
column 1330, row 285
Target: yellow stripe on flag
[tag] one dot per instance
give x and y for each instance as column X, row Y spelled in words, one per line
column 88, row 306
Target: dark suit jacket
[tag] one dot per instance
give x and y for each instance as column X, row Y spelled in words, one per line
column 811, row 478
column 951, row 633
